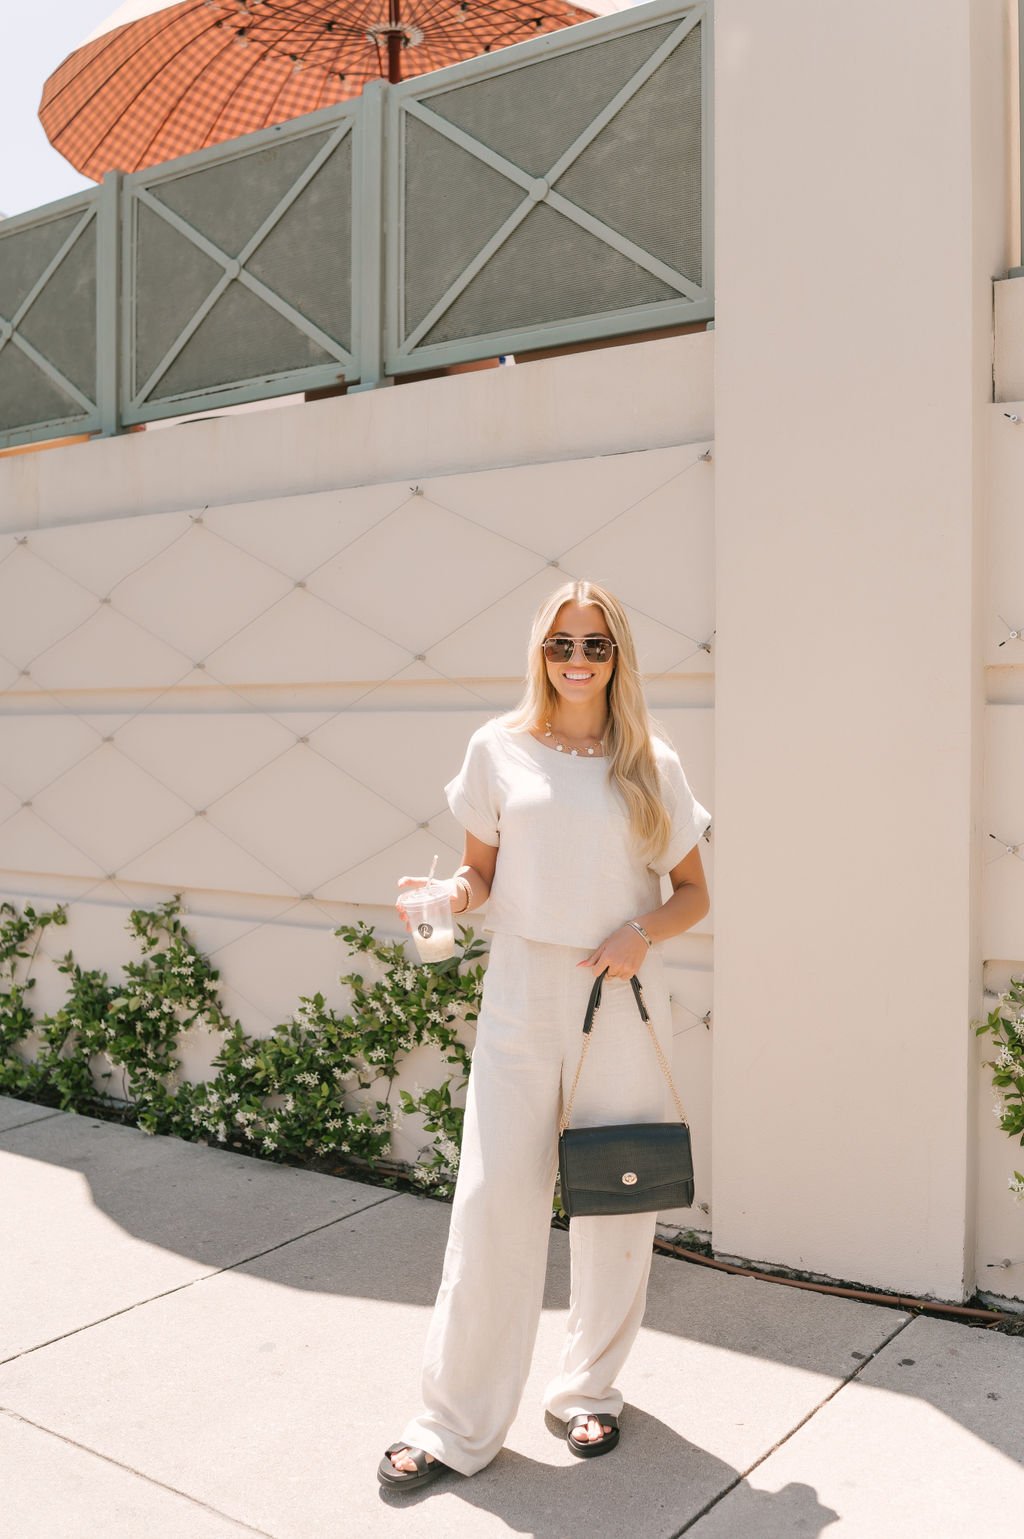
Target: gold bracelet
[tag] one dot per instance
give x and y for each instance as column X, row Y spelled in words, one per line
column 463, row 882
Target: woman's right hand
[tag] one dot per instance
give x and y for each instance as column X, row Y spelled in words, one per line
column 448, row 885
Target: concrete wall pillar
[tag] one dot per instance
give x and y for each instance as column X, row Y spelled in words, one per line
column 860, row 216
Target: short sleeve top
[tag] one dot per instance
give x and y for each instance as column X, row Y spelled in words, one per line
column 569, row 871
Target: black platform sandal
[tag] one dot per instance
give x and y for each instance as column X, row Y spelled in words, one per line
column 425, row 1470
column 591, row 1449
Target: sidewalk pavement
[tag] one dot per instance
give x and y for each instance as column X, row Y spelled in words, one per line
column 197, row 1344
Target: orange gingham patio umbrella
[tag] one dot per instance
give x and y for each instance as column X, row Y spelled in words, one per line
column 158, row 80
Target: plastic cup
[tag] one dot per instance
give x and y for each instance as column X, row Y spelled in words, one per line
column 430, row 919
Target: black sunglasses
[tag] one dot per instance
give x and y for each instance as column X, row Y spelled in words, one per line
column 596, row 649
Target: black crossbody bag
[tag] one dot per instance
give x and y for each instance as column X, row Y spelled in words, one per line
column 635, row 1167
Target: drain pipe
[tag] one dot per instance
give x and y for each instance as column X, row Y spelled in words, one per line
column 991, row 1315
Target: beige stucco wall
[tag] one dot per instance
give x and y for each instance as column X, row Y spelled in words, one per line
column 356, row 579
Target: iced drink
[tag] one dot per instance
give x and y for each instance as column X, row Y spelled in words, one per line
column 430, row 920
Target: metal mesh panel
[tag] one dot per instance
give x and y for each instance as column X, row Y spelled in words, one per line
column 548, row 270
column 306, row 258
column 28, row 396
column 172, row 278
column 25, row 253
column 453, row 205
column 530, row 115
column 240, row 338
column 228, row 202
column 61, row 323
column 642, row 175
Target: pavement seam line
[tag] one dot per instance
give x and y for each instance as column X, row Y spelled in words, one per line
column 744, row 1474
column 16, row 1127
column 139, row 1474
column 193, row 1282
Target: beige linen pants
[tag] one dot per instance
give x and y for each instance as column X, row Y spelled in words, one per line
column 482, row 1332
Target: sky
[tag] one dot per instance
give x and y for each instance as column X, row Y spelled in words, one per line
column 40, row 36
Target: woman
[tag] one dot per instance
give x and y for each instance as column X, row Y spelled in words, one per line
column 567, row 853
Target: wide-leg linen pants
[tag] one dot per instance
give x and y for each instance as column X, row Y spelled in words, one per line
column 482, row 1332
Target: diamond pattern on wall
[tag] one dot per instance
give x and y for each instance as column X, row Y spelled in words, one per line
column 200, row 591
column 30, row 846
column 362, row 581
column 319, row 525
column 350, row 642
column 38, row 606
column 554, row 506
column 299, row 841
column 199, row 855
column 303, row 638
column 57, row 741
column 108, row 651
column 379, row 748
column 110, row 807
column 202, row 756
column 98, row 556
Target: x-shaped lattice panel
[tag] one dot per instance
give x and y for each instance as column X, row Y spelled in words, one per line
column 239, row 271
column 48, row 320
column 548, row 193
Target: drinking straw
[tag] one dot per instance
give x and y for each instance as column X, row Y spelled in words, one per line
column 433, row 868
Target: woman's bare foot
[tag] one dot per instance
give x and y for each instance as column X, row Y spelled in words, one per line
column 593, row 1432
column 401, row 1461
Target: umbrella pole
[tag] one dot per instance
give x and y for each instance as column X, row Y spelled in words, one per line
column 395, row 40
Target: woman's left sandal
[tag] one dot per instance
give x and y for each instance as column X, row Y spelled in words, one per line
column 591, row 1448
column 425, row 1469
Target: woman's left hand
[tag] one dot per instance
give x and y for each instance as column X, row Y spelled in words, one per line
column 622, row 953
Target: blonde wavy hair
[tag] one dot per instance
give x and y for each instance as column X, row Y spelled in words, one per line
column 632, row 766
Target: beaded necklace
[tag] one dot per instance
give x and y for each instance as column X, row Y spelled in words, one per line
column 575, row 752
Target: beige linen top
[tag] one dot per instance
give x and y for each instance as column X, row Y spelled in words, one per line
column 569, row 871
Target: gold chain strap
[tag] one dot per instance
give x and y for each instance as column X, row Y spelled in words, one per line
column 567, row 1113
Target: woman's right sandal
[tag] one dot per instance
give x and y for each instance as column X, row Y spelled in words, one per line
column 591, row 1448
column 425, row 1469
